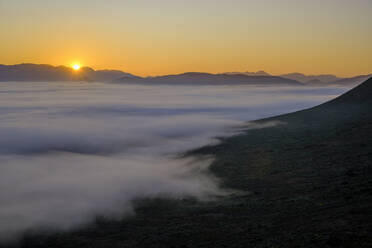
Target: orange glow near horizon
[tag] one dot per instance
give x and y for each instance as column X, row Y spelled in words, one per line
column 76, row 67
column 169, row 37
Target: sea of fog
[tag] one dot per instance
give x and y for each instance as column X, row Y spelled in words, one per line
column 72, row 151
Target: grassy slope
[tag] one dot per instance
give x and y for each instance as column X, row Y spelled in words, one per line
column 306, row 183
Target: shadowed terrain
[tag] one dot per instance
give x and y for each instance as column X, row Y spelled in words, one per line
column 304, row 183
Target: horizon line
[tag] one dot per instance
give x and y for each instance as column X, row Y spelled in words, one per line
column 184, row 72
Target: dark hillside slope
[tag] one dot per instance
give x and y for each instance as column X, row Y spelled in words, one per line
column 311, row 176
column 359, row 95
column 306, row 182
column 354, row 105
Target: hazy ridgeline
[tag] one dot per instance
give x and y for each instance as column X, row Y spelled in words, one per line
column 71, row 151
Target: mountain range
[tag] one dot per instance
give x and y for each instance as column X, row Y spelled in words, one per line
column 43, row 72
column 326, row 79
column 313, row 80
column 198, row 78
column 49, row 73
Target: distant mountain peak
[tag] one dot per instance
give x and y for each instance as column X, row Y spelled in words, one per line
column 303, row 78
column 248, row 73
column 200, row 78
column 257, row 73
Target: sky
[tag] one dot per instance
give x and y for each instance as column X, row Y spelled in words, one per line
column 154, row 37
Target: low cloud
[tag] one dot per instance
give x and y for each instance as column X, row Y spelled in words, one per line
column 64, row 190
column 69, row 152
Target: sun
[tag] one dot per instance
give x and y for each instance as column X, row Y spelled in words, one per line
column 76, row 67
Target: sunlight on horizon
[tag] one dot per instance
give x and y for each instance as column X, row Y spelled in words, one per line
column 76, row 67
column 149, row 38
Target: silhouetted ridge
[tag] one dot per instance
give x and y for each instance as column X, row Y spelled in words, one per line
column 360, row 94
column 354, row 105
column 198, row 78
column 49, row 73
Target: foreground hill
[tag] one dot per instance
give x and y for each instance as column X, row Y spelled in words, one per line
column 197, row 78
column 305, row 182
column 353, row 80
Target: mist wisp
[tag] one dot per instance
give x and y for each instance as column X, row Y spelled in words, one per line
column 70, row 152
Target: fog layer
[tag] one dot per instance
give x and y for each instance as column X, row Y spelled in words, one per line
column 70, row 151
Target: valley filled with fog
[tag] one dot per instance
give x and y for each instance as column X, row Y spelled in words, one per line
column 72, row 151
